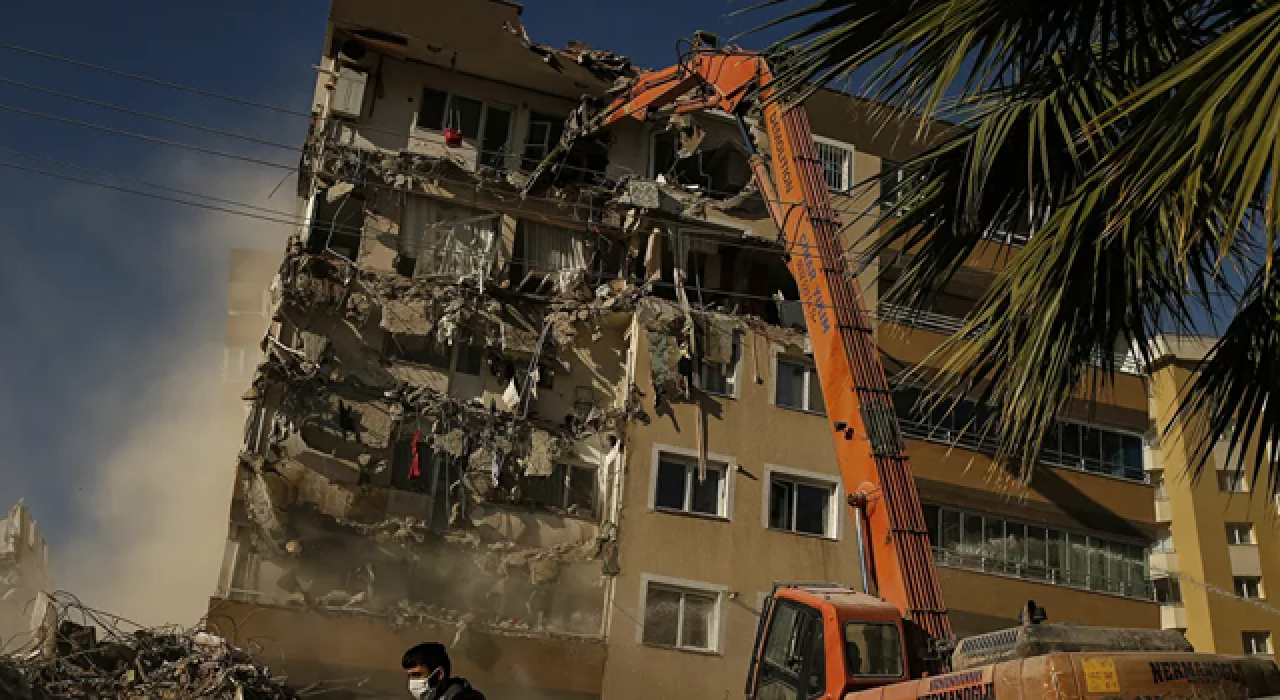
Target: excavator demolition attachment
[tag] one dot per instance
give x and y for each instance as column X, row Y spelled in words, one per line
column 893, row 640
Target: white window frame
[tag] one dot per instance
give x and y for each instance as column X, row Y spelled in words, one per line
column 730, row 379
column 1249, row 639
column 1249, row 587
column 690, row 458
column 808, row 478
column 810, row 376
column 1234, row 530
column 546, row 144
column 717, row 631
column 513, row 110
column 847, row 175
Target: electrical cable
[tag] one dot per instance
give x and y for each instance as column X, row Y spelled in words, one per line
column 147, row 115
column 146, row 137
column 154, row 81
column 146, row 183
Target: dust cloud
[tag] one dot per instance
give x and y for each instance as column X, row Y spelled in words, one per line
column 152, row 506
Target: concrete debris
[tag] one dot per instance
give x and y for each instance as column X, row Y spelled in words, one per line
column 452, row 443
column 113, row 660
column 541, row 460
column 718, row 330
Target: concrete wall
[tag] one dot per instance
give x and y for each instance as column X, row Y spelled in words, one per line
column 1200, row 512
column 738, row 553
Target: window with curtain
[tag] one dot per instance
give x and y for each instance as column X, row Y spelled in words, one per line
column 448, row 239
column 552, row 249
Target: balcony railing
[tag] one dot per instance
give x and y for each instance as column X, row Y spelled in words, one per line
column 1141, row 590
column 944, row 324
column 975, row 440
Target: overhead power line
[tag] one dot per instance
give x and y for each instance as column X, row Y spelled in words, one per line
column 154, row 81
column 146, row 137
column 145, row 183
column 147, row 115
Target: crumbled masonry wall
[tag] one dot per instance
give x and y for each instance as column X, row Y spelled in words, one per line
column 326, row 472
column 24, row 578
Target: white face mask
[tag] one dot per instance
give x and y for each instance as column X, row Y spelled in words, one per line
column 421, row 688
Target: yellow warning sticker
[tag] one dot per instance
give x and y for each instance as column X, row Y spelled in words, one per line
column 1100, row 676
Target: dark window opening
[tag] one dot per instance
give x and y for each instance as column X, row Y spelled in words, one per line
column 723, row 171
column 419, row 349
column 544, row 133
column 337, row 226
column 431, row 112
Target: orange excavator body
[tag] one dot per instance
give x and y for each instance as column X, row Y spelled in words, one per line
column 827, row 640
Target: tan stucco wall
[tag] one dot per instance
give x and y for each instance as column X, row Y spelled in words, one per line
column 1200, row 513
column 739, row 553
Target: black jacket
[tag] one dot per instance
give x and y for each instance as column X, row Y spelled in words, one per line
column 459, row 689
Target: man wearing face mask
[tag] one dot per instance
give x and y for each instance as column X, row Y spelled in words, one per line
column 427, row 666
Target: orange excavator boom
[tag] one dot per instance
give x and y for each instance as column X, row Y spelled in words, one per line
column 897, row 559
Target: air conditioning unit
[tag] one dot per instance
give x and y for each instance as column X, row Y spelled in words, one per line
column 355, row 64
column 348, row 92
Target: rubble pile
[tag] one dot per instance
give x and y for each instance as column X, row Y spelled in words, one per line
column 102, row 660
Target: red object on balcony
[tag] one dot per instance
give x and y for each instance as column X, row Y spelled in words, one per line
column 452, row 138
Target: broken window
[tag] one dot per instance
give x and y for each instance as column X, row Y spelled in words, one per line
column 402, row 471
column 799, row 505
column 722, row 378
column 550, row 248
column 797, row 385
column 337, row 225
column 497, row 132
column 544, row 134
column 569, row 486
column 720, row 171
column 549, row 256
column 438, row 238
column 837, row 163
column 679, row 488
column 420, row 350
column 681, row 618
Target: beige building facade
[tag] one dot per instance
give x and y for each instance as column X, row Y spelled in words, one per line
column 1219, row 552
column 478, row 418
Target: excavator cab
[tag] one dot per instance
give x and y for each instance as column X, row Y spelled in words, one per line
column 824, row 640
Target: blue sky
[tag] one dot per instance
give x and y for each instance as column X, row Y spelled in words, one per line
column 113, row 305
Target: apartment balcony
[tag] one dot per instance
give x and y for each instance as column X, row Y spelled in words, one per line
column 1164, row 511
column 1140, row 590
column 944, row 324
column 1173, row 616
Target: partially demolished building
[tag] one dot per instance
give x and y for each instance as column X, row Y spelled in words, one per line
column 25, row 579
column 567, row 427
